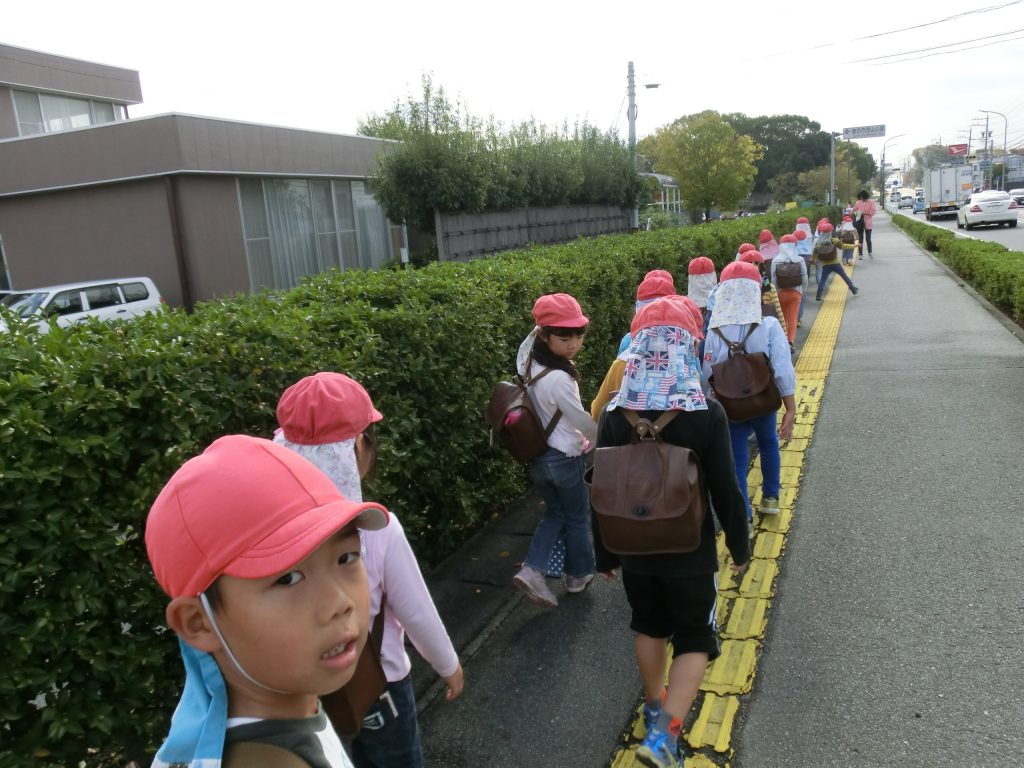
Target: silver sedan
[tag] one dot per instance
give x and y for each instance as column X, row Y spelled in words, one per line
column 991, row 207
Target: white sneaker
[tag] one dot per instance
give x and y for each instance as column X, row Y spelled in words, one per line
column 576, row 584
column 536, row 588
column 769, row 506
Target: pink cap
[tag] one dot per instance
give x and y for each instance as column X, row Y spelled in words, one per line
column 673, row 311
column 802, row 220
column 558, row 310
column 824, row 226
column 745, row 247
column 790, row 238
column 701, row 265
column 740, row 270
column 245, row 507
column 751, row 257
column 799, row 235
column 656, row 283
column 765, row 236
column 325, row 408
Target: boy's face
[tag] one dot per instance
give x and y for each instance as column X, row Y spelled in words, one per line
column 300, row 632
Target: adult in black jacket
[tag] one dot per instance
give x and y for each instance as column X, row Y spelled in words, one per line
column 673, row 596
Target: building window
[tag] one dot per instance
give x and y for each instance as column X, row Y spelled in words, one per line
column 47, row 113
column 298, row 227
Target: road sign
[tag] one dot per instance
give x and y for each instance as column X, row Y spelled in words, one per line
column 864, row 132
column 956, row 149
column 956, row 161
column 985, row 164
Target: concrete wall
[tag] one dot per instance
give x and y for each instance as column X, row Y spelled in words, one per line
column 36, row 71
column 105, row 232
column 213, row 243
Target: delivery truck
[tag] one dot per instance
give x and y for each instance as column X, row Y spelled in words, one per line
column 945, row 188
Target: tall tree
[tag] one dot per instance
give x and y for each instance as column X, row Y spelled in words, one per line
column 792, row 143
column 713, row 165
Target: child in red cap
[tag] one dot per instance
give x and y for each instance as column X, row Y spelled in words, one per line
column 328, row 418
column 545, row 363
column 260, row 556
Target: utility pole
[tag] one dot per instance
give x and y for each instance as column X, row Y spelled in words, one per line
column 634, row 218
column 832, row 171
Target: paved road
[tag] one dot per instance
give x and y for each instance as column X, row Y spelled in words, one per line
column 1011, row 238
column 896, row 636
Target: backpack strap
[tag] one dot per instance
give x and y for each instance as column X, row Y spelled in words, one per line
column 377, row 630
column 736, row 346
column 645, row 429
column 528, row 380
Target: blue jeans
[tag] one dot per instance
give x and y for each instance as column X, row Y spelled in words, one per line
column 828, row 269
column 390, row 735
column 559, row 480
column 767, row 446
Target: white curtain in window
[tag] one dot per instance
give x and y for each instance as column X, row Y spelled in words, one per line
column 292, row 231
column 61, row 113
column 371, row 227
column 30, row 119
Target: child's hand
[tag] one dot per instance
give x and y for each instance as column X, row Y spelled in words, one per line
column 455, row 683
column 611, row 575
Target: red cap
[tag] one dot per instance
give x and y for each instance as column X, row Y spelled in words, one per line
column 799, row 235
column 737, row 270
column 701, row 265
column 751, row 257
column 325, row 408
column 790, row 238
column 821, row 221
column 847, row 218
column 745, row 247
column 656, row 283
column 765, row 236
column 824, row 226
column 673, row 311
column 558, row 310
column 695, row 313
column 802, row 220
column 245, row 507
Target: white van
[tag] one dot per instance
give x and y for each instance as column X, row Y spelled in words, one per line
column 74, row 302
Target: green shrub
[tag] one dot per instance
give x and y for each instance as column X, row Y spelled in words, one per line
column 996, row 272
column 94, row 419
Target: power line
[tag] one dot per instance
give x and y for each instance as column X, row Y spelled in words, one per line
column 937, row 47
column 946, row 53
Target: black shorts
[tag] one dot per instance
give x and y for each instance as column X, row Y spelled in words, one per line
column 680, row 608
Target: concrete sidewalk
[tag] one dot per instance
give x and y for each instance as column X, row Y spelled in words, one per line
column 895, row 635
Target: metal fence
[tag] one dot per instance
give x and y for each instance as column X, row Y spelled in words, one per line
column 463, row 236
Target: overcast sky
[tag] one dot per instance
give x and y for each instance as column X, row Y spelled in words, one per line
column 324, row 65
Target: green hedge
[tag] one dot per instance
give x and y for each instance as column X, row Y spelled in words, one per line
column 993, row 270
column 93, row 420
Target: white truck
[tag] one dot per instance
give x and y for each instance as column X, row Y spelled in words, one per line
column 945, row 188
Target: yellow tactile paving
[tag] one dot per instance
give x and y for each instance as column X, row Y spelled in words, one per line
column 713, row 726
column 742, row 608
column 733, row 671
column 747, row 619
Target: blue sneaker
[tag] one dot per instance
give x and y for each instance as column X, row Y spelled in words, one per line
column 650, row 717
column 658, row 751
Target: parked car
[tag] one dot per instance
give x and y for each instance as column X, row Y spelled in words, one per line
column 72, row 303
column 1018, row 196
column 906, row 202
column 990, row 207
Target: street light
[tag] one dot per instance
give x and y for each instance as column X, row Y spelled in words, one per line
column 881, row 171
column 1002, row 177
column 634, row 217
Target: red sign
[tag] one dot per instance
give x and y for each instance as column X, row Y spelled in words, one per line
column 956, row 149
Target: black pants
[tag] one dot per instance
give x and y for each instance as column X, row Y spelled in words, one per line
column 863, row 234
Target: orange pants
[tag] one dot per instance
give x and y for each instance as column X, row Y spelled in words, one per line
column 789, row 298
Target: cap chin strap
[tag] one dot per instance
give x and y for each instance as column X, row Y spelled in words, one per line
column 227, row 648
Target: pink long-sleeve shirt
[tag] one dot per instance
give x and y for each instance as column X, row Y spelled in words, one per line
column 391, row 569
column 867, row 209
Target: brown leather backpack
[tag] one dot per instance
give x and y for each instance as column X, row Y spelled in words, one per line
column 744, row 383
column 648, row 496
column 513, row 421
column 788, row 274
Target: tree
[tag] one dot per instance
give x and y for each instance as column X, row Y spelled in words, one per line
column 713, row 165
column 792, row 143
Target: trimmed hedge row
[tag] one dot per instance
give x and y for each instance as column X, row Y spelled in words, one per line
column 94, row 419
column 996, row 272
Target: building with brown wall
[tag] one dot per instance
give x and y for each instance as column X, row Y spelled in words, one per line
column 206, row 207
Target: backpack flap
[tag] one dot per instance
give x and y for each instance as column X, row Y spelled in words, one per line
column 648, row 498
column 507, row 396
column 744, row 383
